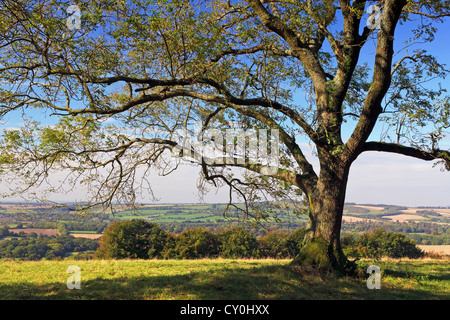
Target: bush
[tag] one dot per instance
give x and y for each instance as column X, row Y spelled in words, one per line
column 397, row 245
column 135, row 239
column 295, row 242
column 192, row 244
column 274, row 245
column 379, row 243
column 170, row 248
column 238, row 243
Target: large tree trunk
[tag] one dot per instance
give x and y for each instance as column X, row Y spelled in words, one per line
column 322, row 246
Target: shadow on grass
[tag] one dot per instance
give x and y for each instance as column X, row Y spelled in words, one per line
column 406, row 274
column 257, row 283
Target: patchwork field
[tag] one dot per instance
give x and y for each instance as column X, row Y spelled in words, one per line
column 357, row 212
column 86, row 235
column 54, row 232
column 356, row 219
column 46, row 232
column 439, row 249
column 434, row 222
column 405, row 217
column 167, row 213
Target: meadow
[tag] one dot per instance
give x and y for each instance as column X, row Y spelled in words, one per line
column 225, row 279
column 218, row 279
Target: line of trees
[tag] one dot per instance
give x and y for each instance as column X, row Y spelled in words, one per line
column 139, row 239
column 96, row 226
column 424, row 233
column 37, row 247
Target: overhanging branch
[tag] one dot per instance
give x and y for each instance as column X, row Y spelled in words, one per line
column 409, row 151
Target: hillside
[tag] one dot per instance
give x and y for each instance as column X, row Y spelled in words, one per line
column 425, row 225
column 217, row 279
column 222, row 279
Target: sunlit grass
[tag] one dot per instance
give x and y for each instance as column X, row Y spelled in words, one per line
column 217, row 279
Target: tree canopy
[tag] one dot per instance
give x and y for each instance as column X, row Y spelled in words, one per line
column 134, row 74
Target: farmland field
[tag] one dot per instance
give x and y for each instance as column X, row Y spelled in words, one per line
column 86, row 235
column 426, row 226
column 168, row 213
column 214, row 212
column 439, row 249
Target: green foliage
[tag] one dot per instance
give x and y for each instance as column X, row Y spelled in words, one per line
column 426, row 233
column 226, row 62
column 280, row 244
column 34, row 247
column 238, row 243
column 195, row 243
column 4, row 232
column 295, row 241
column 135, row 239
column 275, row 244
column 379, row 243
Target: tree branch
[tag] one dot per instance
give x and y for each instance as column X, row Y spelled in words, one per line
column 299, row 49
column 432, row 16
column 408, row 151
column 400, row 62
column 381, row 79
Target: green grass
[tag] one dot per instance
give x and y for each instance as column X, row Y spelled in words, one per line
column 83, row 232
column 216, row 279
column 199, row 213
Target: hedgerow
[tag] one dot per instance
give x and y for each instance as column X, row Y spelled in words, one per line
column 143, row 240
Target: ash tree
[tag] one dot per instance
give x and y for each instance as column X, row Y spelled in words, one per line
column 118, row 80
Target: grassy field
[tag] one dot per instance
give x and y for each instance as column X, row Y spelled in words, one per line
column 189, row 212
column 216, row 279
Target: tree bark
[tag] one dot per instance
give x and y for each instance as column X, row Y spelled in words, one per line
column 322, row 246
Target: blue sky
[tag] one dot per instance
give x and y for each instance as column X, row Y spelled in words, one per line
column 374, row 177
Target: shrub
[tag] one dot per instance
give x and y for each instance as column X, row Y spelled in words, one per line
column 380, row 243
column 274, row 245
column 195, row 243
column 294, row 242
column 135, row 239
column 238, row 243
column 397, row 245
column 170, row 250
